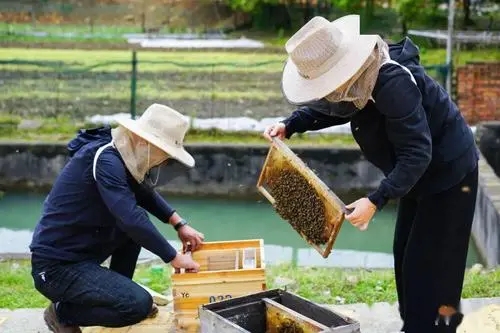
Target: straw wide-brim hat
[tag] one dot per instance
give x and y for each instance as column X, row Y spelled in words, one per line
column 163, row 127
column 324, row 55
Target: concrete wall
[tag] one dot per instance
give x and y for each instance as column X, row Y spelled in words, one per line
column 233, row 171
column 220, row 170
column 486, row 227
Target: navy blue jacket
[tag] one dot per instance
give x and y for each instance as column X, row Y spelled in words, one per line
column 414, row 134
column 85, row 219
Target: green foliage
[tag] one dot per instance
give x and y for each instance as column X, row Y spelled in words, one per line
column 409, row 10
column 8, row 125
column 248, row 5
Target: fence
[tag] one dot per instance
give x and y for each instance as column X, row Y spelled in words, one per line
column 105, row 18
column 80, row 88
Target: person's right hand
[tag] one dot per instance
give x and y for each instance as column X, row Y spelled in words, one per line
column 185, row 261
column 276, row 130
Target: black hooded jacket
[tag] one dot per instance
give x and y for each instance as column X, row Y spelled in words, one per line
column 88, row 218
column 414, row 133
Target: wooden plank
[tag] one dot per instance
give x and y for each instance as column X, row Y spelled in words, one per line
column 187, row 322
column 192, row 299
column 281, row 157
column 231, row 287
column 277, row 316
column 225, row 276
column 261, row 256
column 221, row 277
column 216, row 260
column 214, row 256
column 233, row 244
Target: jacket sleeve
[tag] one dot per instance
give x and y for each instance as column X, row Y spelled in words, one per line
column 151, row 201
column 400, row 101
column 312, row 117
column 120, row 200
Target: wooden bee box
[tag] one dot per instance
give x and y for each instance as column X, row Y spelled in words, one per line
column 227, row 270
column 273, row 311
column 281, row 158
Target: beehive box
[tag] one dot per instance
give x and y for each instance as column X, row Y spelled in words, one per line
column 301, row 198
column 273, row 311
column 227, row 269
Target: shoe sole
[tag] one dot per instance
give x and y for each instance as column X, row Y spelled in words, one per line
column 51, row 324
column 153, row 313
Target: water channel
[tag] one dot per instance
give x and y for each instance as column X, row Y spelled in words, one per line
column 224, row 219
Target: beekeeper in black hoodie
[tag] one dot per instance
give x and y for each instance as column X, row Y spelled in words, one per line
column 408, row 126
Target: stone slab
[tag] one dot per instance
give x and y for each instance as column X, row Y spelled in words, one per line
column 378, row 318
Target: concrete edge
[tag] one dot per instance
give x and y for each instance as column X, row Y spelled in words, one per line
column 486, row 176
column 302, row 146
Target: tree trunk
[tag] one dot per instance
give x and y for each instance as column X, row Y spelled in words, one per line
column 404, row 27
column 467, row 20
column 369, row 8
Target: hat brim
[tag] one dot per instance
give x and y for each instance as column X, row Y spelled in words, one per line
column 177, row 153
column 299, row 90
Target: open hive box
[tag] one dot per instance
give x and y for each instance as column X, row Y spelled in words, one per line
column 301, row 198
column 227, row 269
column 273, row 311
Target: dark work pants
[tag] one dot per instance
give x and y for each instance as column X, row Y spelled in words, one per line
column 430, row 251
column 87, row 294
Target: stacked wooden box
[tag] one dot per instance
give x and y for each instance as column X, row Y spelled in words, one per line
column 228, row 269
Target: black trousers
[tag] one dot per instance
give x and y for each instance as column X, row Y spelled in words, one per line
column 430, row 251
column 87, row 294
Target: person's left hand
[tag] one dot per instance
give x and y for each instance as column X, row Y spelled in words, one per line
column 189, row 235
column 363, row 211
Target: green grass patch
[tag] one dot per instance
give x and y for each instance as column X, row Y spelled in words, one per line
column 62, row 129
column 124, row 94
column 52, row 38
column 162, row 61
column 193, row 61
column 322, row 285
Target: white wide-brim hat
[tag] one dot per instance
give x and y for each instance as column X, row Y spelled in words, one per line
column 164, row 128
column 324, row 55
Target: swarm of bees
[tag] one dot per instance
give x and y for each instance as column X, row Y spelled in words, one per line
column 289, row 326
column 298, row 203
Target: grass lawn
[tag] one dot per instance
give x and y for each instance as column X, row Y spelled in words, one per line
column 322, row 285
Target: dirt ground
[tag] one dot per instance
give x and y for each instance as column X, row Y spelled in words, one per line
column 484, row 320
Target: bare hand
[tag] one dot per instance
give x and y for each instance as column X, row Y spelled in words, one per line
column 189, row 235
column 185, row 261
column 363, row 211
column 276, row 130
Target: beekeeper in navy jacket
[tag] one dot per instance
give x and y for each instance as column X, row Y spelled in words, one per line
column 406, row 125
column 97, row 209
